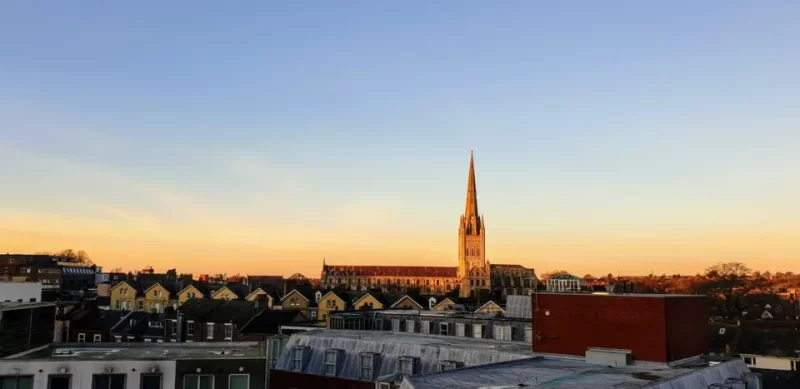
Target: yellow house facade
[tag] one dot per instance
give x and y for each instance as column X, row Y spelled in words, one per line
column 190, row 292
column 407, row 302
column 444, row 305
column 156, row 298
column 225, row 293
column 254, row 295
column 367, row 301
column 123, row 296
column 330, row 302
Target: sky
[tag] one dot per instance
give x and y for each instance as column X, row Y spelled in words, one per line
column 621, row 137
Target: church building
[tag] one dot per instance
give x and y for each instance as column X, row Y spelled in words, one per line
column 473, row 274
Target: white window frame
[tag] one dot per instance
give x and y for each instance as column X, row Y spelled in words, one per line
column 97, row 338
column 502, row 332
column 174, row 327
column 410, row 326
column 749, row 360
column 117, row 338
column 528, row 334
column 189, row 327
column 209, row 330
column 213, row 378
column 81, row 338
column 477, row 330
column 461, row 329
column 297, row 358
column 228, row 331
column 403, row 360
column 230, row 376
column 396, row 325
column 331, row 362
column 425, row 327
column 385, row 385
column 148, row 340
column 313, row 314
column 366, row 362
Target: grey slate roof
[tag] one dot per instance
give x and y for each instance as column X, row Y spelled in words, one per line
column 430, row 349
column 563, row 374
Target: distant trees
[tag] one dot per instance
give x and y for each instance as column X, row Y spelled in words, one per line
column 70, row 254
column 730, row 281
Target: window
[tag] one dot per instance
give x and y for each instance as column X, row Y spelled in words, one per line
column 174, row 327
column 444, row 329
column 118, row 338
column 477, row 330
column 330, row 304
column 190, row 328
column 98, row 338
column 81, row 337
column 209, row 330
column 425, row 327
column 528, row 334
column 228, row 331
column 449, row 365
column 123, row 291
column 293, row 302
column 157, row 293
column 406, row 365
column 239, row 381
column 151, row 381
column 198, row 381
column 129, row 339
column 367, row 365
column 331, row 357
column 409, row 325
column 155, row 324
column 313, row 314
column 749, row 361
column 140, row 304
column 502, row 332
column 16, row 382
column 108, row 381
column 297, row 358
column 396, row 325
column 794, row 365
column 460, row 329
column 58, row 381
column 148, row 340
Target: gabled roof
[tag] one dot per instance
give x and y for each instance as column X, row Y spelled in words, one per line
column 139, row 323
column 94, row 319
column 168, row 287
column 391, row 271
column 407, row 298
column 138, row 287
column 306, row 293
column 199, row 286
column 489, row 303
column 237, row 289
column 218, row 311
column 268, row 322
column 444, row 301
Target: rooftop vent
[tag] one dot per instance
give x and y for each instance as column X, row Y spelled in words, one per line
column 608, row 356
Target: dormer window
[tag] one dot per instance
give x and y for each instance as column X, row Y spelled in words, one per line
column 407, row 365
column 297, row 358
column 317, row 296
column 157, row 293
column 367, row 363
column 332, row 361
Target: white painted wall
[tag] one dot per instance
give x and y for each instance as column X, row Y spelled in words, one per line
column 82, row 371
column 14, row 291
column 768, row 362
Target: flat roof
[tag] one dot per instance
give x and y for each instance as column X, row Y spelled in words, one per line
column 388, row 337
column 423, row 312
column 562, row 374
column 144, row 351
column 9, row 306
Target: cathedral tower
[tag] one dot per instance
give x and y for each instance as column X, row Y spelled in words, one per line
column 473, row 270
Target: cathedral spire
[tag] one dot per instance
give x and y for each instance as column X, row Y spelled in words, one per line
column 472, row 193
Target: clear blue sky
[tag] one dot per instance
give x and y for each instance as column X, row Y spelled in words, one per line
column 638, row 133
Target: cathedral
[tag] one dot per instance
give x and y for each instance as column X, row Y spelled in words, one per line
column 473, row 275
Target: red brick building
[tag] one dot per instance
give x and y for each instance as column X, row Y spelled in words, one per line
column 660, row 328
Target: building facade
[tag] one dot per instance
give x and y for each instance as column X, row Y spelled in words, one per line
column 474, row 274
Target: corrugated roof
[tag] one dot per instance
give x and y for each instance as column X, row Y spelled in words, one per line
column 518, row 307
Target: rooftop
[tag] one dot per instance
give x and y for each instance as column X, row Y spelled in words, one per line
column 427, row 313
column 9, row 306
column 558, row 373
column 637, row 295
column 144, row 351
